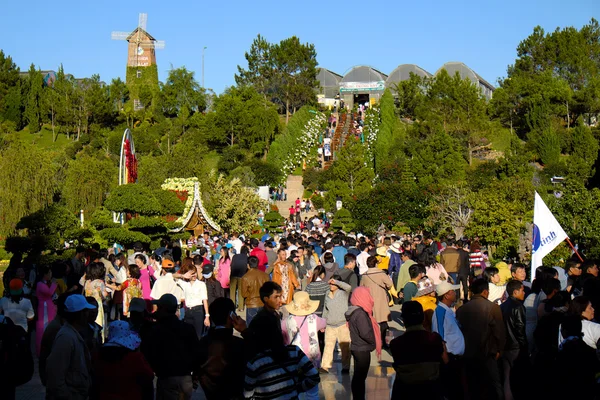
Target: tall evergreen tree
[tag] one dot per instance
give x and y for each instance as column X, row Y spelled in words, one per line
column 33, row 109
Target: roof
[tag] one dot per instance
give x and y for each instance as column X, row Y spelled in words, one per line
column 143, row 32
column 364, row 73
column 328, row 78
column 465, row 72
column 197, row 214
column 403, row 71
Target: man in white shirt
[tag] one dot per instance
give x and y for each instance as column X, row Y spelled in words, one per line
column 195, row 297
column 445, row 324
column 361, row 259
column 166, row 283
column 236, row 243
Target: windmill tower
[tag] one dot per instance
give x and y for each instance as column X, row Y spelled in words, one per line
column 142, row 72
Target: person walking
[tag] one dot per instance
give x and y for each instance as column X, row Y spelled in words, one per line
column 195, row 298
column 515, row 350
column 222, row 357
column 334, row 311
column 277, row 371
column 444, row 323
column 417, row 355
column 250, row 286
column 365, row 337
column 68, row 367
column 283, row 274
column 378, row 283
column 171, row 348
column 302, row 325
column 485, row 338
column 46, row 311
column 120, row 371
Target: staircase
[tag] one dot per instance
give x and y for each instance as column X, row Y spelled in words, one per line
column 293, row 190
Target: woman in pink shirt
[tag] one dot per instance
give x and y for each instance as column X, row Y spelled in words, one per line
column 146, row 271
column 223, row 268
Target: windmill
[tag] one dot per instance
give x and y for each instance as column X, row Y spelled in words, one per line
column 141, row 55
column 141, row 44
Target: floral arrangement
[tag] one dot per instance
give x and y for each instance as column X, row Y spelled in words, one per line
column 130, row 163
column 182, row 185
column 308, row 140
column 371, row 129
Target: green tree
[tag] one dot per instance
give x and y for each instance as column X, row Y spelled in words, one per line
column 182, row 94
column 234, row 207
column 260, row 67
column 53, row 224
column 133, row 199
column 88, row 180
column 11, row 102
column 296, row 74
column 410, row 95
column 33, row 110
column 27, row 182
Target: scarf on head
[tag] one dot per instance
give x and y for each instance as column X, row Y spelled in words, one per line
column 361, row 297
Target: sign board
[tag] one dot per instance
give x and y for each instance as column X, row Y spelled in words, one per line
column 362, row 86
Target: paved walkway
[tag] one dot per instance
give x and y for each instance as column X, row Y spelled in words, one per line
column 333, row 386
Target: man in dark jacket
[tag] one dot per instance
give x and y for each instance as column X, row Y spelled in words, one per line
column 239, row 266
column 250, row 288
column 464, row 269
column 515, row 349
column 485, row 336
column 222, row 356
column 171, row 349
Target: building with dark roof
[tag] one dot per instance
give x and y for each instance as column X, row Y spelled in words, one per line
column 465, row 72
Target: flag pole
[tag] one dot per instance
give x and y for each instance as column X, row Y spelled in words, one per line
column 574, row 249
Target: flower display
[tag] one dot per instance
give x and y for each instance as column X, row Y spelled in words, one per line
column 308, row 140
column 371, row 129
column 182, row 185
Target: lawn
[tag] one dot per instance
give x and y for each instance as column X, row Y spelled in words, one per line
column 44, row 138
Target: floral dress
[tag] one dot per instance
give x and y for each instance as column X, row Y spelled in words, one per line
column 96, row 289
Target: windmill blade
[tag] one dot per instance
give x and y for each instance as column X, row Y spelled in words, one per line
column 119, row 35
column 143, row 20
column 159, row 44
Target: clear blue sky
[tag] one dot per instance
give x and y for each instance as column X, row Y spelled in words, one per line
column 384, row 34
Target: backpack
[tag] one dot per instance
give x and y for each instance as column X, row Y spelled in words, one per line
column 16, row 360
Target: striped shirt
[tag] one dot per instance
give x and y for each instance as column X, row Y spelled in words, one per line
column 268, row 379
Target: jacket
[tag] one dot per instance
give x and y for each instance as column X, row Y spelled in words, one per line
column 483, row 328
column 330, row 269
column 450, row 259
column 378, row 283
column 68, row 367
column 251, row 283
column 223, row 358
column 213, row 289
column 171, row 347
column 362, row 336
column 464, row 268
column 239, row 265
column 513, row 313
column 336, row 306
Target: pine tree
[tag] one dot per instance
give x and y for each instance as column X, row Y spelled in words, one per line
column 33, row 109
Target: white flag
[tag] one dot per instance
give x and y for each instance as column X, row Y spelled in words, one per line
column 547, row 233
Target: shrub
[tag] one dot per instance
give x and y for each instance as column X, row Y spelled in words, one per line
column 123, row 236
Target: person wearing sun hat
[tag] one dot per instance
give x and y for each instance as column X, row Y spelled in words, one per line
column 426, row 297
column 16, row 307
column 383, row 261
column 68, row 367
column 118, row 364
column 302, row 324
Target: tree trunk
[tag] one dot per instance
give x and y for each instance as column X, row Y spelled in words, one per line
column 287, row 111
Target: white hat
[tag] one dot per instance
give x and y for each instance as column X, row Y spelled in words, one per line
column 444, row 288
column 76, row 303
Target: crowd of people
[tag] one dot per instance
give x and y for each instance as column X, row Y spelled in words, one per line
column 263, row 318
